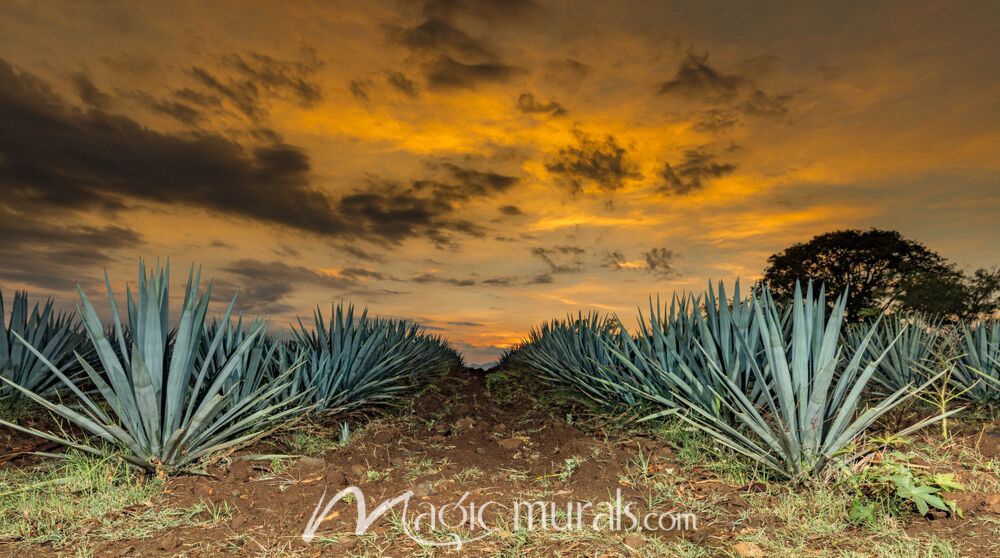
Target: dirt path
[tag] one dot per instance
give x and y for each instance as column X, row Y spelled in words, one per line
column 496, row 437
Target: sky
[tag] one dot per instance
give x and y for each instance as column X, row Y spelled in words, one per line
column 483, row 166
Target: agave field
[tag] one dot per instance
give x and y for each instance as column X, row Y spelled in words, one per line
column 144, row 424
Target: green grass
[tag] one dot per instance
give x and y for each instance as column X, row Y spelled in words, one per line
column 79, row 499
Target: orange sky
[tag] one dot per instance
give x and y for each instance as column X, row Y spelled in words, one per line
column 481, row 166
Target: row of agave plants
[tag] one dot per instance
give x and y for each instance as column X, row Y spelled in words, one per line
column 790, row 386
column 167, row 395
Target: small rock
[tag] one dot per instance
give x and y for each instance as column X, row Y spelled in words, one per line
column 634, row 541
column 358, row 470
column 748, row 550
column 464, row 423
column 501, row 427
column 235, row 493
column 481, row 451
column 511, row 443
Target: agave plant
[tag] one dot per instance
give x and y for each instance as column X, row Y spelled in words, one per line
column 352, row 361
column 55, row 334
column 575, row 352
column 675, row 354
column 909, row 343
column 978, row 370
column 158, row 405
column 259, row 364
column 810, row 411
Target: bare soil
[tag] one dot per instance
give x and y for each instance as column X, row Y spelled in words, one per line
column 516, row 442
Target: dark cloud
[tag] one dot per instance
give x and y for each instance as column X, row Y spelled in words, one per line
column 264, row 285
column 58, row 157
column 717, row 120
column 528, row 104
column 447, row 73
column 541, row 279
column 53, row 256
column 657, row 261
column 452, row 58
column 762, row 105
column 401, row 83
column 359, row 89
column 437, row 36
column 660, row 262
column 605, row 163
column 511, row 210
column 173, row 108
column 249, row 81
column 560, row 259
column 698, row 167
column 432, row 278
column 393, row 211
column 696, row 79
column 89, row 93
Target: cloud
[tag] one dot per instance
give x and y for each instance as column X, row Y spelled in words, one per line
column 605, row 163
column 401, row 83
column 717, row 120
column 511, row 210
column 359, row 89
column 528, row 104
column 394, row 211
column 698, row 167
column 447, row 73
column 463, row 282
column 660, row 262
column 89, row 93
column 58, row 157
column 265, row 285
column 437, row 36
column 52, row 255
column 696, row 79
column 561, row 258
column 762, row 105
column 657, row 261
column 541, row 279
column 249, row 81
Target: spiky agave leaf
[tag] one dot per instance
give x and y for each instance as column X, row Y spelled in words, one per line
column 55, row 334
column 352, row 361
column 909, row 342
column 675, row 353
column 157, row 404
column 574, row 352
column 810, row 412
column 978, row 370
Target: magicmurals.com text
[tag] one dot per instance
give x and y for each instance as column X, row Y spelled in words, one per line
column 464, row 520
